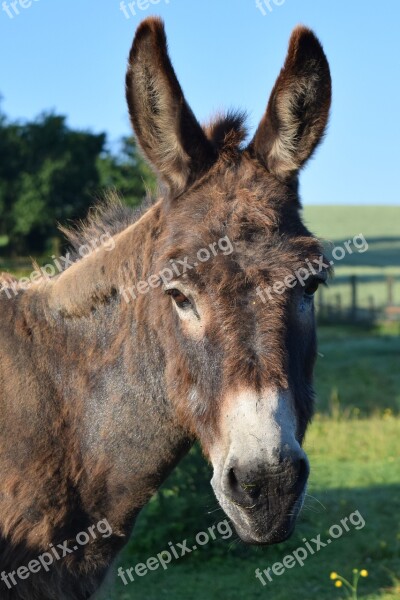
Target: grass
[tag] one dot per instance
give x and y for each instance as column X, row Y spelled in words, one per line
column 358, row 372
column 354, row 449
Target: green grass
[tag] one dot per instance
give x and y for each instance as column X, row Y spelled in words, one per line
column 359, row 370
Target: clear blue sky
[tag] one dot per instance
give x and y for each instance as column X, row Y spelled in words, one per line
column 70, row 56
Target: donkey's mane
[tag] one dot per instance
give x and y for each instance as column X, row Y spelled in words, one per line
column 227, row 131
column 109, row 216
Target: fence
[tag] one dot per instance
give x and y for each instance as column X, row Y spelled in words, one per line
column 342, row 302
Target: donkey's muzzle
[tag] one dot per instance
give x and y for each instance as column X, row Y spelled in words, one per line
column 265, row 500
column 260, row 468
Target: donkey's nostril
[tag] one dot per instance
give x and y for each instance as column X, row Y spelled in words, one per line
column 232, row 479
column 241, row 491
column 250, row 484
column 253, row 490
column 303, row 470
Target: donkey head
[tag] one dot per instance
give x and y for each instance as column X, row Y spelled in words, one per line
column 234, row 318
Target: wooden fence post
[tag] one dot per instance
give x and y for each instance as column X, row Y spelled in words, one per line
column 338, row 298
column 371, row 307
column 390, row 282
column 320, row 302
column 353, row 308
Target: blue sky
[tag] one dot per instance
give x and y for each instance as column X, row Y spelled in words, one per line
column 70, row 56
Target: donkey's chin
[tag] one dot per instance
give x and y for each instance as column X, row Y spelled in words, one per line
column 265, row 524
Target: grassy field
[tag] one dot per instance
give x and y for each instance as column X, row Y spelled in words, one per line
column 337, row 223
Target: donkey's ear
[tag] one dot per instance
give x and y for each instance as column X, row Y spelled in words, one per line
column 298, row 108
column 167, row 131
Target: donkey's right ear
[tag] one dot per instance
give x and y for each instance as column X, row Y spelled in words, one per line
column 167, row 131
column 297, row 111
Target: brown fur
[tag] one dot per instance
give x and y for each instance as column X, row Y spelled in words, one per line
column 93, row 390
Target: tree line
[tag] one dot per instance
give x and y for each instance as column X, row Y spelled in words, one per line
column 51, row 173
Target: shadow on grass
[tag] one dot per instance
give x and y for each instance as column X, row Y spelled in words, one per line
column 357, row 368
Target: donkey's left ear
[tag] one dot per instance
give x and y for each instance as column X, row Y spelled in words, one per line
column 166, row 129
column 298, row 109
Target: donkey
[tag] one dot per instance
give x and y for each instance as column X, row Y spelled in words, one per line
column 103, row 391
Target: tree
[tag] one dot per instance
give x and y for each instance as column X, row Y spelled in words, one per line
column 127, row 172
column 50, row 174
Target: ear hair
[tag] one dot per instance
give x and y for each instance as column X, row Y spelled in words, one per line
column 298, row 108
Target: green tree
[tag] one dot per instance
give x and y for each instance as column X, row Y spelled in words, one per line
column 50, row 174
column 127, row 172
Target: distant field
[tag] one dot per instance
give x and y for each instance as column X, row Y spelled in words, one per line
column 336, row 223
column 380, row 226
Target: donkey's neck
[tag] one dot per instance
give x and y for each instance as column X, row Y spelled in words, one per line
column 103, row 362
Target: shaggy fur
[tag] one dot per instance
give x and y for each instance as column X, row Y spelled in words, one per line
column 96, row 394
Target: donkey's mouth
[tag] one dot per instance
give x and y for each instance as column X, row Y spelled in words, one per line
column 266, row 523
column 276, row 536
column 266, row 532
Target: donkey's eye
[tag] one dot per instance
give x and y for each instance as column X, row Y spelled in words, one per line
column 180, row 299
column 311, row 288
